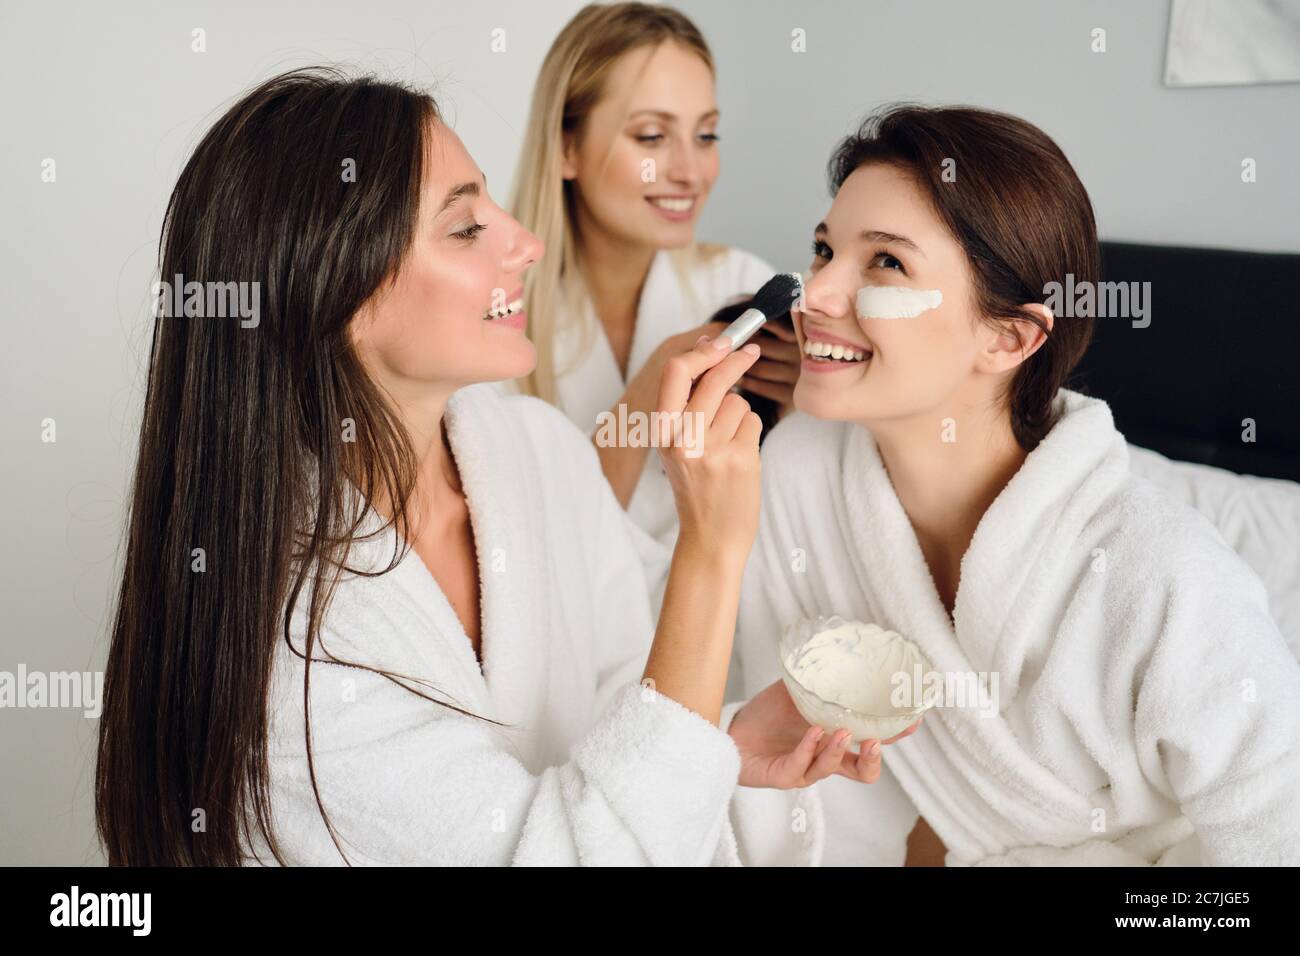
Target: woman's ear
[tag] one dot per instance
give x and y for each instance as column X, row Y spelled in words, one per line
column 569, row 156
column 1015, row 340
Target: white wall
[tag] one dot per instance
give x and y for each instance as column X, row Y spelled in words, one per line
column 1161, row 165
column 114, row 94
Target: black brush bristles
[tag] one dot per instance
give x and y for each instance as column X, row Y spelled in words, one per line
column 778, row 294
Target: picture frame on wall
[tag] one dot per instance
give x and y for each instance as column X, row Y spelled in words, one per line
column 1246, row 42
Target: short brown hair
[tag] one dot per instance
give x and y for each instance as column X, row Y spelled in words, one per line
column 1018, row 209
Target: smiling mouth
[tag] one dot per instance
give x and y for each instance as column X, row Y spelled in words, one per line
column 829, row 352
column 677, row 204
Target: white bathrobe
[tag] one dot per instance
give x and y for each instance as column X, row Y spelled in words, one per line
column 592, row 768
column 1144, row 692
column 1259, row 517
column 592, row 383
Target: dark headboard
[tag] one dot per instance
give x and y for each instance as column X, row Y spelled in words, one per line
column 1223, row 344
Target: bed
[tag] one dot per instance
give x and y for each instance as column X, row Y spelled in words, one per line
column 1206, row 388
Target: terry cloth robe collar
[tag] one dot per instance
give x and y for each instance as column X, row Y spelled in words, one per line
column 512, row 685
column 996, row 615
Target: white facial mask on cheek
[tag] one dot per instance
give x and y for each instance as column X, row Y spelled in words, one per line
column 894, row 302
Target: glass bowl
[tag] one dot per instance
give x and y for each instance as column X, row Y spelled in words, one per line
column 879, row 645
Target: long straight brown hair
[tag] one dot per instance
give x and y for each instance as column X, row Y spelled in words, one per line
column 308, row 186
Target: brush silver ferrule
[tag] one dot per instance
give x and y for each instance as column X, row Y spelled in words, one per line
column 743, row 328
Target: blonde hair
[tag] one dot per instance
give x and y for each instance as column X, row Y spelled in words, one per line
column 568, row 87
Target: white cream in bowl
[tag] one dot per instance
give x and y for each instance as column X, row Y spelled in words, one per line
column 843, row 676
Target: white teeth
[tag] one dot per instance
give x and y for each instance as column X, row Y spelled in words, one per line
column 511, row 309
column 828, row 351
column 672, row 205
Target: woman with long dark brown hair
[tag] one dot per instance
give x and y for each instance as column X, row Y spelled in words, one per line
column 374, row 612
column 1128, row 698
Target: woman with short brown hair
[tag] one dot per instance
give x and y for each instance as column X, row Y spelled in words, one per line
column 1136, row 701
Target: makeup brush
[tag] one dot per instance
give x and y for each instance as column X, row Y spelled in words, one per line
column 777, row 296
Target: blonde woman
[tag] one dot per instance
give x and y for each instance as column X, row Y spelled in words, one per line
column 618, row 161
